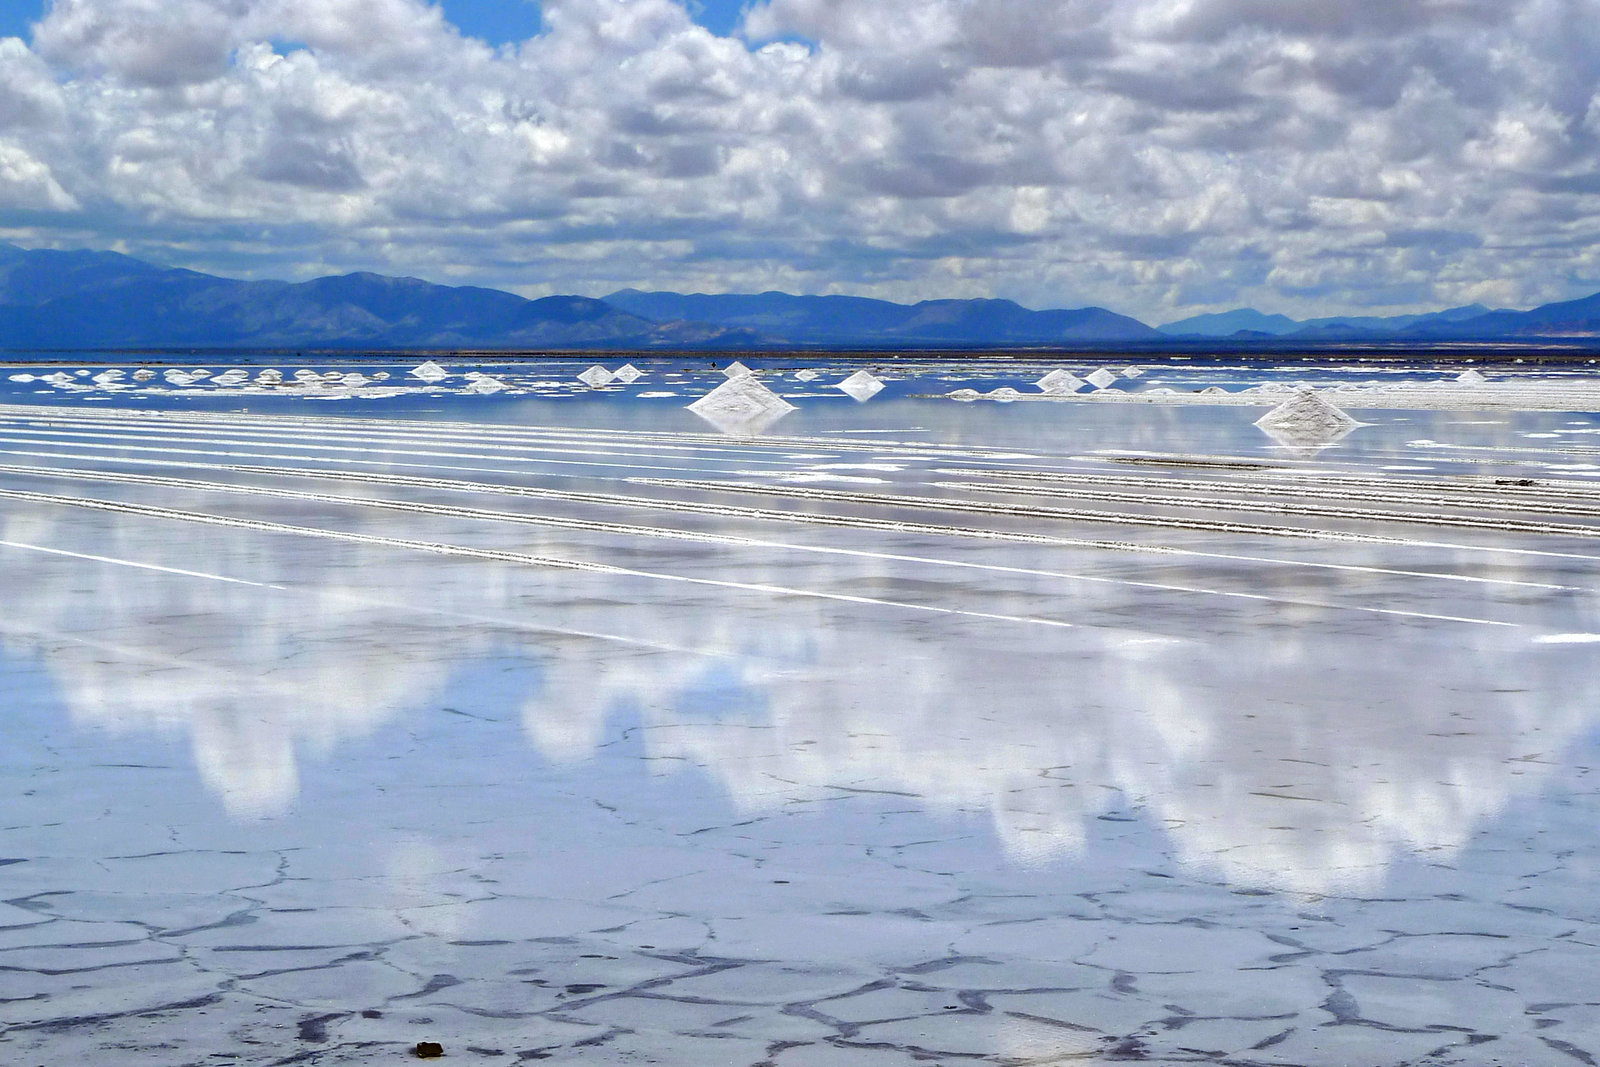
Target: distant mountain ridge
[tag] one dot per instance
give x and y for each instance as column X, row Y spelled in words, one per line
column 838, row 320
column 1251, row 321
column 84, row 299
column 52, row 299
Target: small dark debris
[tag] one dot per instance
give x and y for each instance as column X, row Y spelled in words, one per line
column 428, row 1050
column 780, row 881
column 1522, row 482
column 372, row 1013
column 583, row 987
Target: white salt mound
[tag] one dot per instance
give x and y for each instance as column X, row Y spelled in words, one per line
column 627, row 374
column 1471, row 377
column 1060, row 383
column 807, row 376
column 486, row 386
column 597, row 377
column 861, row 386
column 1102, row 378
column 1133, row 372
column 430, row 372
column 737, row 370
column 1306, row 420
column 143, row 374
column 741, row 406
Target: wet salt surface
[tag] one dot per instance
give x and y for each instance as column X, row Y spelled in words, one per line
column 907, row 731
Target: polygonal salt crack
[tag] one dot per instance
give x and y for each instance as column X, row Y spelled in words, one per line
column 430, row 372
column 597, row 377
column 1102, row 378
column 1060, row 383
column 627, row 374
column 1306, row 421
column 741, row 406
column 861, row 386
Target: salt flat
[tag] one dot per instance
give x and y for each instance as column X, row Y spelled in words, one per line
column 554, row 721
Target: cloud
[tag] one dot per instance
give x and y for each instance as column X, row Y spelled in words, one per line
column 1141, row 155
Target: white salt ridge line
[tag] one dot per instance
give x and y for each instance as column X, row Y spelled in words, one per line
column 1548, row 494
column 847, row 521
column 627, row 529
column 920, row 448
column 521, row 558
column 323, row 595
column 1567, row 639
column 1071, row 514
column 140, row 566
column 1284, row 507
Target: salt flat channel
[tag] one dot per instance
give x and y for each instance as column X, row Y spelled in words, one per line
column 553, row 722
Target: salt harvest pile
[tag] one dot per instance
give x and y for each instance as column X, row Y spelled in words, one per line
column 799, row 711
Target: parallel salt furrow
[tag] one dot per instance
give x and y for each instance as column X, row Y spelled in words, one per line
column 1116, row 518
column 525, row 559
column 111, row 443
column 574, row 443
column 1548, row 495
column 1283, row 507
column 926, row 449
column 809, row 518
column 624, row 529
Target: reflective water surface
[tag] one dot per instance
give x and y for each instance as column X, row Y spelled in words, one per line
column 905, row 731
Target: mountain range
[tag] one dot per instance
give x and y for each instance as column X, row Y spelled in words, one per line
column 104, row 300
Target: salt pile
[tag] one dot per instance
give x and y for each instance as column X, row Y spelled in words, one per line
column 24, row 378
column 430, row 372
column 109, row 377
column 1133, row 372
column 143, row 374
column 229, row 379
column 1004, row 395
column 741, row 406
column 737, row 370
column 179, row 378
column 1060, row 383
column 483, row 385
column 307, row 376
column 1307, row 421
column 627, row 374
column 597, row 377
column 1471, row 377
column 1102, row 378
column 270, row 376
column 861, row 386
column 807, row 376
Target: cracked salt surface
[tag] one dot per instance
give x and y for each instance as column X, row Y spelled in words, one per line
column 310, row 758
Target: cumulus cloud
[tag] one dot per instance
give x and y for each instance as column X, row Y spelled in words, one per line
column 1156, row 156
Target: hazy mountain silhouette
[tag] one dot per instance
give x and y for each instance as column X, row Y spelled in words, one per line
column 844, row 320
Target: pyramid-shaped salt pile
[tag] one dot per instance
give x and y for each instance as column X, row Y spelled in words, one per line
column 741, row 406
column 737, row 370
column 430, row 372
column 1471, row 377
column 1060, row 383
column 1102, row 378
column 484, row 385
column 807, row 376
column 1133, row 372
column 861, row 386
column 1306, row 421
column 597, row 377
column 627, row 374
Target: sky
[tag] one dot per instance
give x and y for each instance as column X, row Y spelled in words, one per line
column 1157, row 157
